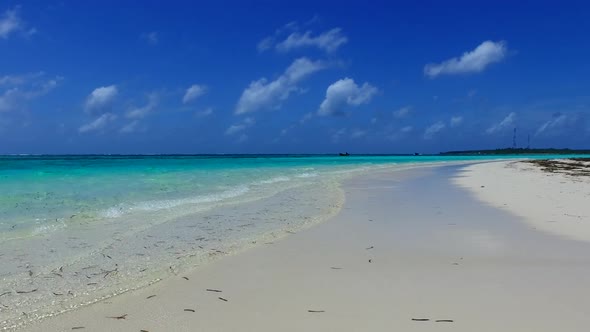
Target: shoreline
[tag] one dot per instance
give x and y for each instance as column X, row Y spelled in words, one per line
column 406, row 245
column 158, row 251
column 185, row 253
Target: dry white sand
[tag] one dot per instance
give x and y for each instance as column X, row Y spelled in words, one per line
column 407, row 245
column 551, row 202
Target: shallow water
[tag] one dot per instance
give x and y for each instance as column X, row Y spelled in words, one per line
column 75, row 229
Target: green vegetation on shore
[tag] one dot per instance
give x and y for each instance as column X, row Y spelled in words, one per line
column 511, row 151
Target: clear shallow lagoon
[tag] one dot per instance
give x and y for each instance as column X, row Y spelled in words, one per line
column 75, row 229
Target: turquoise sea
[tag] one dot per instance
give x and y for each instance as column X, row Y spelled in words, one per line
column 77, row 229
column 41, row 194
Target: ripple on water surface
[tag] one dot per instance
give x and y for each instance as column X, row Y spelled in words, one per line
column 64, row 269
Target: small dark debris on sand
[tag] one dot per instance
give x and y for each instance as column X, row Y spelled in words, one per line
column 571, row 166
column 78, row 327
column 26, row 292
column 185, row 278
column 222, row 299
column 371, row 247
column 5, row 293
column 190, row 310
column 428, row 319
column 119, row 317
column 316, row 311
column 336, row 268
column 144, row 331
column 370, row 261
column 213, row 290
column 151, row 296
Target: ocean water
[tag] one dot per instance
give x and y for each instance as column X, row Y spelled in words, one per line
column 77, row 229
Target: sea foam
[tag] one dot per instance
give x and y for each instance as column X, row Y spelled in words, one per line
column 156, row 205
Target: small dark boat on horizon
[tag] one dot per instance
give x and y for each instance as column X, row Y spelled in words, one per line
column 346, row 154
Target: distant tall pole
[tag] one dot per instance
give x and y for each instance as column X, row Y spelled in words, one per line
column 514, row 139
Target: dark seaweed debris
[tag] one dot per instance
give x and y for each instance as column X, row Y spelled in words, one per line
column 572, row 166
column 119, row 317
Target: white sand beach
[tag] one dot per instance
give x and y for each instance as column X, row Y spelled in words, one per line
column 553, row 202
column 426, row 249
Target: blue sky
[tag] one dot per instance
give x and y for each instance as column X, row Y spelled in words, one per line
column 298, row 77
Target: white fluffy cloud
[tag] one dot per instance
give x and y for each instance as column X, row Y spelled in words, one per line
column 456, row 121
column 130, row 127
column 306, row 117
column 141, row 112
column 10, row 22
column 20, row 89
column 262, row 94
column 100, row 99
column 434, row 129
column 393, row 134
column 8, row 100
column 328, row 41
column 337, row 135
column 407, row 129
column 558, row 120
column 98, row 123
column 16, row 80
column 345, row 92
column 506, row 123
column 206, row 112
column 242, row 138
column 193, row 92
column 236, row 128
column 473, row 61
column 357, row 133
column 152, row 38
column 402, row 112
column 268, row 42
column 265, row 44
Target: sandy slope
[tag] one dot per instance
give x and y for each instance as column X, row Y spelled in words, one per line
column 555, row 203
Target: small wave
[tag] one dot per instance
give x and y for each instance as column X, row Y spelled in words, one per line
column 113, row 212
column 118, row 211
column 307, row 175
column 275, row 180
column 48, row 228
